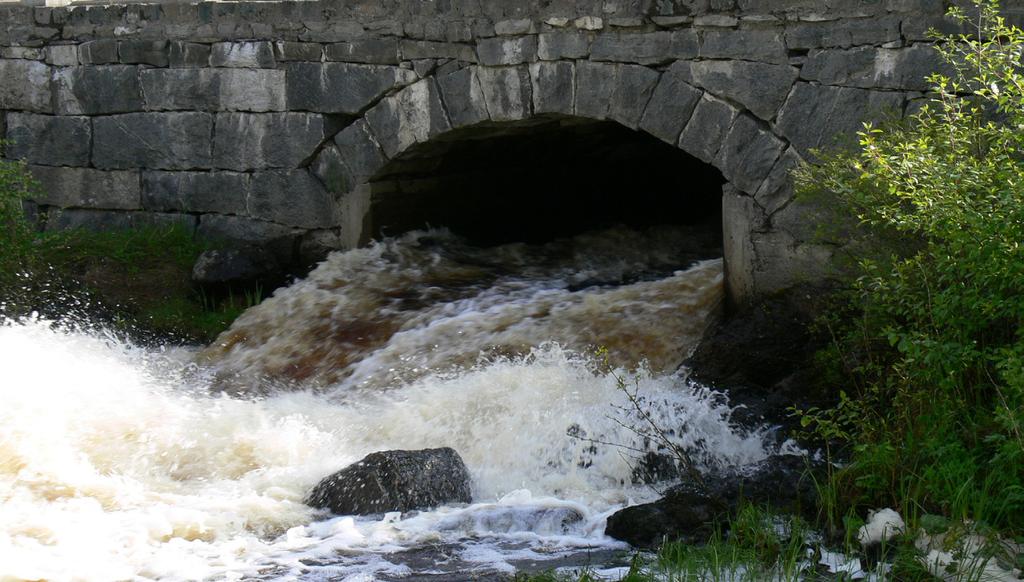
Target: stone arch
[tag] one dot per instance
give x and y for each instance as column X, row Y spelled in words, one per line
column 663, row 104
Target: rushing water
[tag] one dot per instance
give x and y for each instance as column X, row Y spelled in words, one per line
column 120, row 462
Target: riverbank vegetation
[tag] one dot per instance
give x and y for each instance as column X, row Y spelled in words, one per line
column 135, row 280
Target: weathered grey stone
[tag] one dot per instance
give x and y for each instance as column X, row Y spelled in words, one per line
column 853, row 32
column 22, row 52
column 463, row 97
column 286, row 51
column 87, row 188
column 254, row 90
column 553, row 87
column 777, row 189
column 183, row 54
column 251, row 55
column 107, row 220
column 614, row 91
column 553, row 46
column 234, row 266
column 646, row 49
column 716, row 21
column 704, row 133
column 413, row 115
column 223, row 192
column 376, row 51
column 293, row 198
column 341, row 87
column 748, row 154
column 835, row 111
column 143, row 52
column 62, row 55
column 507, row 92
column 875, row 68
column 760, row 87
column 738, row 213
column 97, row 90
column 353, row 159
column 47, row 140
column 395, row 481
column 633, row 89
column 507, row 51
column 513, row 27
column 280, row 240
column 25, row 85
column 754, row 44
column 98, row 52
column 252, row 141
column 671, row 105
column 164, row 141
column 589, row 23
column 594, row 85
column 417, row 49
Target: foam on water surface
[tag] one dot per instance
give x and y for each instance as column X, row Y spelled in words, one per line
column 118, row 462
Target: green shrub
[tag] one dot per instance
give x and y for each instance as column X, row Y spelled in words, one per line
column 16, row 184
column 934, row 406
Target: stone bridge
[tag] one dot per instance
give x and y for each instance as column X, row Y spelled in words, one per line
column 309, row 126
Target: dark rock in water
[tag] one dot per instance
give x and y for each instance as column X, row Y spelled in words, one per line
column 233, row 266
column 690, row 514
column 395, row 481
column 762, row 355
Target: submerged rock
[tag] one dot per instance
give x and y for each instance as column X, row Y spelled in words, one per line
column 691, row 514
column 395, row 481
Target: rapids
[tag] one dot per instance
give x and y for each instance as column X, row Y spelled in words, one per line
column 124, row 462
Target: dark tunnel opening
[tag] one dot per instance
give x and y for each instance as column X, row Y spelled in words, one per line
column 541, row 180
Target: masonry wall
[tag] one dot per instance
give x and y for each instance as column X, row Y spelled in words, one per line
column 265, row 121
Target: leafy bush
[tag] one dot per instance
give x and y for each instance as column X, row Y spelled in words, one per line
column 16, row 184
column 935, row 351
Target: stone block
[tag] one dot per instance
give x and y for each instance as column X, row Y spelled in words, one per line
column 341, row 87
column 553, row 87
column 652, row 48
column 671, row 105
column 25, row 85
column 329, row 167
column 253, row 141
column 553, row 46
column 97, row 90
column 738, row 212
column 248, row 54
column 507, row 50
column 87, row 188
column 162, row 141
column 710, row 123
column 22, row 52
column 589, row 23
column 183, row 54
column 253, row 90
column 107, row 220
column 292, row 198
column 760, row 87
column 62, row 55
column 753, row 44
column 853, row 32
column 98, row 52
column 411, row 116
column 507, row 92
column 286, row 51
column 513, row 27
column 277, row 237
column 143, row 52
column 222, row 192
column 48, row 140
column 835, row 111
column 412, row 50
column 748, row 154
column 614, row 91
column 374, row 51
column 875, row 68
column 353, row 160
column 463, row 97
column 777, row 189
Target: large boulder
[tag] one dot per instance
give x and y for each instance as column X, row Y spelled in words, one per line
column 395, row 481
column 239, row 266
column 782, row 483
